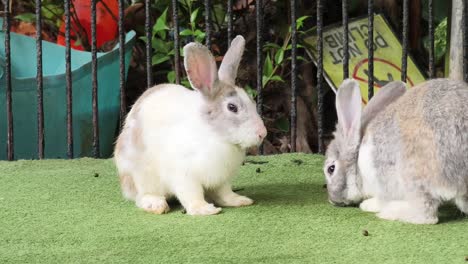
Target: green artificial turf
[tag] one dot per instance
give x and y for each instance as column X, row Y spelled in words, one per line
column 59, row 211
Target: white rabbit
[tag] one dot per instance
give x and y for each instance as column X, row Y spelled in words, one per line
column 190, row 143
column 406, row 153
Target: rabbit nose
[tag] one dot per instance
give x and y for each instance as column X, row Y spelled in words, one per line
column 261, row 132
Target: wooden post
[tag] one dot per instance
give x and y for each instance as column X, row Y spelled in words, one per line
column 415, row 26
column 456, row 41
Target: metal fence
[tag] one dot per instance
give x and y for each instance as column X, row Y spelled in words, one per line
column 259, row 43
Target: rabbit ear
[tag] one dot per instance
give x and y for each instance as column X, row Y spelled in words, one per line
column 348, row 106
column 201, row 68
column 386, row 95
column 228, row 69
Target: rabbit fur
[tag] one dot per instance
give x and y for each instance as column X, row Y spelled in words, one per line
column 189, row 144
column 404, row 154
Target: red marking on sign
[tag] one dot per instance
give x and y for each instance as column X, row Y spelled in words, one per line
column 364, row 61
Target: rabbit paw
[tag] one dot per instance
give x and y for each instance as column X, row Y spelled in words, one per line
column 237, row 201
column 462, row 204
column 370, row 205
column 224, row 196
column 405, row 212
column 203, row 209
column 153, row 204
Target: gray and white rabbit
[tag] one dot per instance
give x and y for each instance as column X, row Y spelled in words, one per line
column 404, row 154
column 190, row 143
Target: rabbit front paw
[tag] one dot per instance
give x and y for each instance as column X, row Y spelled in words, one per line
column 153, row 204
column 224, row 196
column 409, row 213
column 370, row 205
column 237, row 201
column 462, row 204
column 203, row 209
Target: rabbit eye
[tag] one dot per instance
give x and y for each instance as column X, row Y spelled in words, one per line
column 331, row 169
column 232, row 108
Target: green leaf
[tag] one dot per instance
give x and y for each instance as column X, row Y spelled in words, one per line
column 51, row 11
column 188, row 3
column 276, row 78
column 270, row 46
column 297, row 46
column 161, row 34
column 78, row 42
column 300, row 58
column 186, row 83
column 160, row 24
column 279, row 56
column 171, row 77
column 159, row 58
column 186, row 32
column 265, row 80
column 200, row 38
column 250, row 91
column 26, row 17
column 194, row 15
column 219, row 11
column 300, row 21
column 199, row 33
column 267, row 66
column 440, row 40
column 302, row 18
column 160, row 46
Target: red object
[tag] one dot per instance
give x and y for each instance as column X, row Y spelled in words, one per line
column 106, row 23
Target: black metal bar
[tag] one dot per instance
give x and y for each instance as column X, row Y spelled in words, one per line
column 175, row 19
column 431, row 40
column 404, row 56
column 208, row 23
column 320, row 93
column 39, row 82
column 149, row 46
column 465, row 41
column 370, row 47
column 68, row 80
column 123, row 101
column 229, row 21
column 293, row 75
column 345, row 39
column 10, row 140
column 94, row 65
column 259, row 21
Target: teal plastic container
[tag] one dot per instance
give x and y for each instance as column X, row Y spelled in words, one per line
column 24, row 98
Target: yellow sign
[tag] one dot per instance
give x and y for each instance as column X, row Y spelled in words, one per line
column 387, row 55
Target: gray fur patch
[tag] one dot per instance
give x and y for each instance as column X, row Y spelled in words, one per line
column 386, row 137
column 223, row 121
column 445, row 111
column 420, row 147
column 343, row 151
column 232, row 93
column 421, row 144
